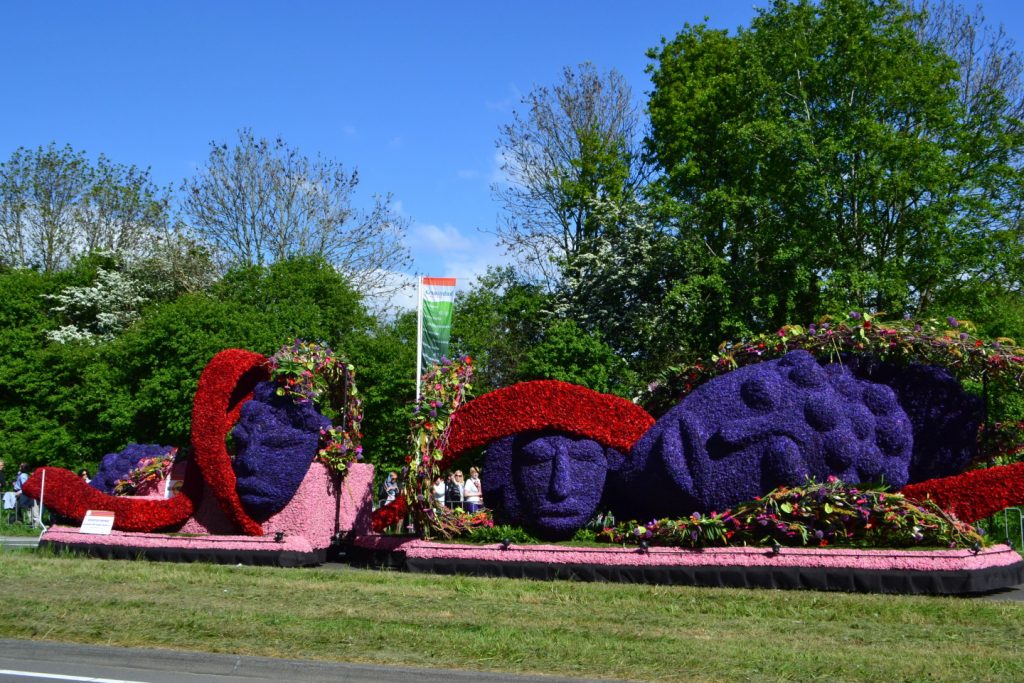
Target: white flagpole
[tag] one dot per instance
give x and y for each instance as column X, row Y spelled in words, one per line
column 419, row 336
column 42, row 495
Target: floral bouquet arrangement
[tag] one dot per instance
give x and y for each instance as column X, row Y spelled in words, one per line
column 146, row 474
column 819, row 514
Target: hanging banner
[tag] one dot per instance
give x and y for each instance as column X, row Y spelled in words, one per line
column 437, row 296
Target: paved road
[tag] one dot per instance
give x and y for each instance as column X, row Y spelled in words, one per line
column 28, row 661
column 19, row 541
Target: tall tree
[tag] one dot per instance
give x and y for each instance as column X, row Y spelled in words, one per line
column 826, row 160
column 55, row 205
column 261, row 201
column 574, row 142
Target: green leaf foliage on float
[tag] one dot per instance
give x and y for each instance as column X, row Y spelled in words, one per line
column 815, row 514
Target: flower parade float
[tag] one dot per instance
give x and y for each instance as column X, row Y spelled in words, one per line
column 837, row 465
column 289, row 489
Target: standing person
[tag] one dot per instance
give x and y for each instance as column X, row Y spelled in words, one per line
column 25, row 502
column 473, row 491
column 453, row 492
column 389, row 488
column 439, row 491
column 84, row 474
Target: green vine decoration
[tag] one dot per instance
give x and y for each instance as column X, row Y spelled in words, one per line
column 307, row 371
column 445, row 387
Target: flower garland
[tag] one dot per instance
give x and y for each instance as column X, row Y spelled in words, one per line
column 445, row 388
column 148, row 472
column 948, row 343
column 828, row 514
column 311, row 372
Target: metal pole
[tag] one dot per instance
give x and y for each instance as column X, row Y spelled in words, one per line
column 42, row 495
column 419, row 336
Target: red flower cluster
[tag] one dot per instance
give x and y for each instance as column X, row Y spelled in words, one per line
column 70, row 496
column 545, row 404
column 225, row 385
column 976, row 494
column 390, row 514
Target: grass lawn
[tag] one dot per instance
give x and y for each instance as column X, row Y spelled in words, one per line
column 571, row 629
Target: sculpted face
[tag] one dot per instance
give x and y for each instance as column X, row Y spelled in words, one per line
column 276, row 440
column 553, row 482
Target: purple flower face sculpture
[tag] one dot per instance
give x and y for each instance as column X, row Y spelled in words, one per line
column 759, row 427
column 550, row 483
column 276, row 440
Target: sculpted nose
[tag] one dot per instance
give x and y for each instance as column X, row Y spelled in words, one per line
column 560, row 484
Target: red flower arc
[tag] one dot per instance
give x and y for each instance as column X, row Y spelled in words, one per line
column 545, row 404
column 224, row 386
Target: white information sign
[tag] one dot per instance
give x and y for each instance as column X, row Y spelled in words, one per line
column 97, row 522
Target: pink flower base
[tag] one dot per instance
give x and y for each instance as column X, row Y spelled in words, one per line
column 308, row 521
column 837, row 558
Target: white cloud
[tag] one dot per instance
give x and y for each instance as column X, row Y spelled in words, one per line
column 467, row 173
column 513, row 96
column 348, row 129
column 439, row 238
column 446, row 251
column 500, row 163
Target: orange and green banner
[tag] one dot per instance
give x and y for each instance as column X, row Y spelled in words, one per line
column 436, row 298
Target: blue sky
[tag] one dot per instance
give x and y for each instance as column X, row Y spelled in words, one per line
column 410, row 93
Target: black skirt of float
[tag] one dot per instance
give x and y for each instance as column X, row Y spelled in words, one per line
column 281, row 558
column 906, row 582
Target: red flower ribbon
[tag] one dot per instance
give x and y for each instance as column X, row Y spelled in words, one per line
column 976, row 494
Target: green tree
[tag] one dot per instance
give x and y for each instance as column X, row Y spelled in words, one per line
column 574, row 142
column 497, row 323
column 825, row 159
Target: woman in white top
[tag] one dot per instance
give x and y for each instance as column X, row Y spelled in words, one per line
column 439, row 489
column 473, row 491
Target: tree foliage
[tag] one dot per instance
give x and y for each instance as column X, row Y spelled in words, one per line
column 55, row 206
column 574, row 142
column 261, row 201
column 826, row 160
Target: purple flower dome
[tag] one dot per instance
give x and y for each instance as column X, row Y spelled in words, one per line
column 762, row 426
column 116, row 466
